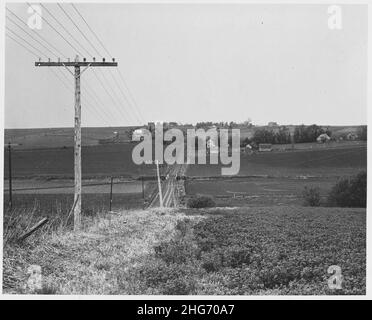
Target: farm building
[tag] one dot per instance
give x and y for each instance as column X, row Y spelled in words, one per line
column 138, row 134
column 263, row 147
column 272, row 124
column 323, row 138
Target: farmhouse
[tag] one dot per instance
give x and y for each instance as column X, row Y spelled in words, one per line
column 264, row 147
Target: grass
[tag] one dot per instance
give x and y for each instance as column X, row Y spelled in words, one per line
column 94, row 260
column 236, row 251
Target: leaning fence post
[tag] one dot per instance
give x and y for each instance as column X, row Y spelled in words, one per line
column 33, row 229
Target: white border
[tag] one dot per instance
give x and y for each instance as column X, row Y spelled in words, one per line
column 368, row 295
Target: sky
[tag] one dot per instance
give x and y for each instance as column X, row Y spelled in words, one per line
column 191, row 63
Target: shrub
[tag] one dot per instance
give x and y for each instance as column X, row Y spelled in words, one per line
column 311, row 196
column 201, row 202
column 350, row 192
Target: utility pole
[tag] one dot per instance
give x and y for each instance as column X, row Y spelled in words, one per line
column 77, row 129
column 159, row 185
column 10, row 173
column 10, row 176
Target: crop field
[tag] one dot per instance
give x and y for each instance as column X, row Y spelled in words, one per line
column 257, row 191
column 320, row 162
column 101, row 160
column 278, row 251
column 61, row 137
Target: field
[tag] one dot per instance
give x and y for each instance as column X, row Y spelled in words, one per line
column 320, row 162
column 268, row 250
column 97, row 161
column 277, row 177
column 257, row 191
column 61, row 137
column 283, row 250
column 261, row 240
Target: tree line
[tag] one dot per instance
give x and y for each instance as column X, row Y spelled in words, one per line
column 282, row 135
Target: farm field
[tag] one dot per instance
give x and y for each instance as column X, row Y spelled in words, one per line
column 341, row 161
column 97, row 161
column 61, row 137
column 257, row 191
column 319, row 146
column 271, row 250
column 268, row 250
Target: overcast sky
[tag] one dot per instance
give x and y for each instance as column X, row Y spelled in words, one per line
column 195, row 62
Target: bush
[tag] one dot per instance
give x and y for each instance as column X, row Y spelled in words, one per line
column 350, row 192
column 311, row 196
column 201, row 202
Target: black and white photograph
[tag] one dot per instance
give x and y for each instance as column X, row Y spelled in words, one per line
column 167, row 149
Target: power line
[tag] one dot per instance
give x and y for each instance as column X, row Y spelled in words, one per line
column 18, row 18
column 121, row 91
column 11, row 31
column 104, row 88
column 36, row 55
column 64, row 28
column 101, row 83
column 91, row 30
column 68, row 16
column 29, row 34
column 71, row 45
column 131, row 95
column 33, row 53
column 96, row 110
column 104, row 47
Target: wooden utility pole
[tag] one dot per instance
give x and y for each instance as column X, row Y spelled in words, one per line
column 10, row 176
column 159, row 185
column 77, row 130
column 10, row 145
